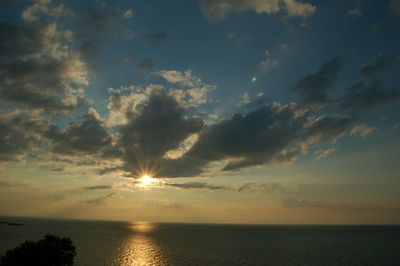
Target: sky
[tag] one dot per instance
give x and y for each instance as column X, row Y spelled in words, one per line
column 237, row 111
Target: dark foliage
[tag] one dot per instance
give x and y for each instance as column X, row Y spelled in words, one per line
column 49, row 251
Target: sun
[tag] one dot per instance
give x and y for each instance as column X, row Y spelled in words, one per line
column 146, row 180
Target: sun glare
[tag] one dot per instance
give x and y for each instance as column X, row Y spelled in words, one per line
column 146, row 180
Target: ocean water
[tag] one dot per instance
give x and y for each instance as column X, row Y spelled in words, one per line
column 143, row 243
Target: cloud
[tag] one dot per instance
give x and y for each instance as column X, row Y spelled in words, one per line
column 265, row 188
column 299, row 9
column 39, row 69
column 324, row 153
column 20, row 135
column 220, row 9
column 379, row 63
column 101, row 201
column 57, row 197
column 395, row 6
column 196, row 91
column 362, row 96
column 312, row 88
column 184, row 79
column 306, row 203
column 86, row 136
column 357, row 10
column 274, row 133
column 267, row 64
column 57, row 168
column 131, row 57
column 156, row 38
column 5, row 183
column 324, row 128
column 43, row 7
column 120, row 103
column 248, row 139
column 362, row 130
column 245, row 187
column 245, row 100
column 98, row 24
column 248, row 100
column 98, row 187
column 163, row 204
column 146, row 64
column 197, row 185
column 128, row 14
column 159, row 126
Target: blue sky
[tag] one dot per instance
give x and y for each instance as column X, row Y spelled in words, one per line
column 242, row 111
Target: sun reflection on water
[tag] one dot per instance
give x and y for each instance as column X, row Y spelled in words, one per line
column 139, row 248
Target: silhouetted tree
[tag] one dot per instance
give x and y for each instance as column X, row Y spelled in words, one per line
column 49, row 251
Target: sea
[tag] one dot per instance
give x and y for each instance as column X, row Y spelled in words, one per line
column 147, row 243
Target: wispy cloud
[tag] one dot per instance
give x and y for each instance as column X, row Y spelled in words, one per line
column 98, row 187
column 8, row 183
column 221, row 9
column 324, row 153
column 103, row 200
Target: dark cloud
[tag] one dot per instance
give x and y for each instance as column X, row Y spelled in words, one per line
column 98, row 187
column 380, row 62
column 37, row 69
column 312, row 88
column 185, row 166
column 158, row 127
column 273, row 133
column 197, row 185
column 96, row 25
column 146, row 64
column 363, row 96
column 86, row 136
column 325, row 128
column 256, row 138
column 156, row 38
column 19, row 136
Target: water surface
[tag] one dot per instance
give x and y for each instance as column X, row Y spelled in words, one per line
column 143, row 243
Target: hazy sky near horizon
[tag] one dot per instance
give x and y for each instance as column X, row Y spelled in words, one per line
column 242, row 111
